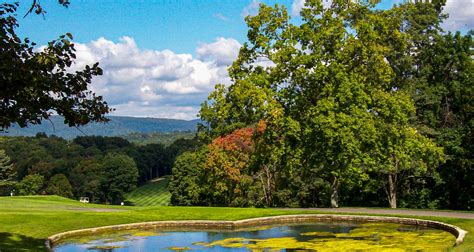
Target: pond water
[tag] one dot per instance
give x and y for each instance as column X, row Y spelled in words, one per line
column 319, row 236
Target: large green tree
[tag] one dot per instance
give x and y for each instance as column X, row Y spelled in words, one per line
column 33, row 83
column 330, row 78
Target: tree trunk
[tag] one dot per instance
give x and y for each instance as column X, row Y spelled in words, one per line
column 335, row 193
column 392, row 190
column 267, row 185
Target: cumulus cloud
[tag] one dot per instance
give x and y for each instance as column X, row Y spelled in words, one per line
column 461, row 15
column 251, row 9
column 223, row 51
column 139, row 82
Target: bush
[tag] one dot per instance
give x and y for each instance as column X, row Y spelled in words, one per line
column 30, row 185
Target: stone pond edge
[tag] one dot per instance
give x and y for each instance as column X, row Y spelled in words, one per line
column 282, row 219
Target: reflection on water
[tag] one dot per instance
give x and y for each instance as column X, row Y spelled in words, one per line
column 320, row 237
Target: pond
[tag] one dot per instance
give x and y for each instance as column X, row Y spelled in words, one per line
column 314, row 236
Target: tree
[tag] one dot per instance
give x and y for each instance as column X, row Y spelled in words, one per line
column 43, row 167
column 178, row 147
column 120, row 176
column 227, row 166
column 185, row 184
column 30, row 185
column 59, row 185
column 401, row 150
column 7, row 172
column 36, row 82
column 152, row 161
column 443, row 89
column 86, row 178
column 105, row 144
column 436, row 70
column 329, row 77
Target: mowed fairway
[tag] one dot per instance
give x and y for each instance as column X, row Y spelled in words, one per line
column 25, row 222
column 151, row 194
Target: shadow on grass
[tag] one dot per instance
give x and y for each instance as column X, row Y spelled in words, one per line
column 16, row 242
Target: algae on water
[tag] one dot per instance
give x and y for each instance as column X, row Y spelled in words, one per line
column 366, row 237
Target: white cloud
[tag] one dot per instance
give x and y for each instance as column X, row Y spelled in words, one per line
column 251, row 9
column 298, row 5
column 166, row 111
column 139, row 82
column 461, row 15
column 223, row 51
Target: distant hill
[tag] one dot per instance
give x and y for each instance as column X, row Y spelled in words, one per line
column 117, row 126
column 165, row 138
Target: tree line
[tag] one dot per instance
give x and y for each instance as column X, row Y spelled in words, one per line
column 101, row 168
column 351, row 106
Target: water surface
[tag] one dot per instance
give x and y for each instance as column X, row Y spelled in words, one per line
column 319, row 236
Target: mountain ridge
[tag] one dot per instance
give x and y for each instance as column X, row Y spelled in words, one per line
column 117, row 126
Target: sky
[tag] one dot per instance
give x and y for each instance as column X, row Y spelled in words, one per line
column 162, row 58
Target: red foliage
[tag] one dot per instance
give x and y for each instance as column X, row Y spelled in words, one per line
column 241, row 139
column 231, row 153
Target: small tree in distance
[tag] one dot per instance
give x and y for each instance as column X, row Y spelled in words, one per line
column 30, row 185
column 59, row 185
column 120, row 177
column 7, row 174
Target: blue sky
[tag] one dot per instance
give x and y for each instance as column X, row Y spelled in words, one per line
column 179, row 25
column 161, row 58
column 155, row 24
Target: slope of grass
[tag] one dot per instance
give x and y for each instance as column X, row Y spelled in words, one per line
column 151, row 194
column 25, row 222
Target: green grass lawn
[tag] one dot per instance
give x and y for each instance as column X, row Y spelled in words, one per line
column 151, row 194
column 25, row 222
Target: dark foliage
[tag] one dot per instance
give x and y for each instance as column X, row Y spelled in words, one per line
column 82, row 164
column 33, row 83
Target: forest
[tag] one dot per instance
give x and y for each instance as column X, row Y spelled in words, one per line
column 101, row 168
column 353, row 106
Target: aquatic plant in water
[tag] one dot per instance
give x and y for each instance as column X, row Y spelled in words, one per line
column 370, row 236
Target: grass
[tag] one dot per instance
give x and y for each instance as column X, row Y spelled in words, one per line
column 151, row 194
column 25, row 222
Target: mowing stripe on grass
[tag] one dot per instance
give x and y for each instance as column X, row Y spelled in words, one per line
column 151, row 194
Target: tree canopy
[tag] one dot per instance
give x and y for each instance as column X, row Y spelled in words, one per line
column 37, row 81
column 341, row 94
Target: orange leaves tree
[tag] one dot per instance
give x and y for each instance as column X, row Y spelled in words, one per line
column 228, row 165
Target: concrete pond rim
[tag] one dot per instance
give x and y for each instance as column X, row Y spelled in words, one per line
column 245, row 223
